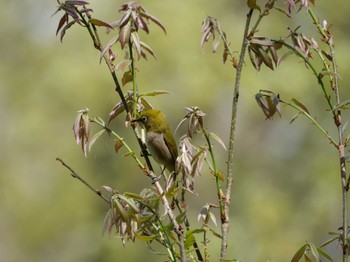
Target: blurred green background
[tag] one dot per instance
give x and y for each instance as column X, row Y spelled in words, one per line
column 286, row 189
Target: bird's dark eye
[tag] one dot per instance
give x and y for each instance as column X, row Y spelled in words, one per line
column 144, row 119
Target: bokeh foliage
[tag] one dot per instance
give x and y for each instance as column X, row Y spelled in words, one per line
column 286, row 189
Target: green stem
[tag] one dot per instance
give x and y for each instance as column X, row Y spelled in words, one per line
column 328, row 39
column 313, row 120
column 313, row 69
column 132, row 153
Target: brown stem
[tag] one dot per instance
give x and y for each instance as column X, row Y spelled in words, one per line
column 75, row 175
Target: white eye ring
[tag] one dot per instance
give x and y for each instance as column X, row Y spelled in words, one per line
column 144, row 119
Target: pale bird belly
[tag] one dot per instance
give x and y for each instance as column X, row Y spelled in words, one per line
column 158, row 148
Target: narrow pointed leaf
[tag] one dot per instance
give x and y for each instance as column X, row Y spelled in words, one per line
column 124, row 34
column 148, row 49
column 314, row 251
column 284, row 57
column 118, row 145
column 294, row 118
column 325, row 254
column 136, row 40
column 76, row 2
column 130, row 202
column 298, row 103
column 299, row 254
column 331, row 240
column 65, row 28
column 265, row 58
column 98, row 22
column 154, row 19
column 342, row 105
column 95, row 137
column 108, row 46
column 155, row 93
column 62, row 21
column 218, row 139
column 120, row 209
column 117, row 109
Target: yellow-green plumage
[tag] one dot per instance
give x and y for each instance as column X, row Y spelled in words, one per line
column 159, row 138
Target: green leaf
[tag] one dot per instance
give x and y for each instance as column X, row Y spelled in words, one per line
column 314, row 251
column 329, row 73
column 130, row 202
column 146, row 238
column 120, row 209
column 252, row 5
column 133, row 195
column 300, row 253
column 326, row 255
column 127, row 77
column 326, row 243
column 284, row 57
column 216, row 234
column 190, row 240
column 298, row 103
column 155, row 93
column 136, row 40
column 294, row 118
column 342, row 105
column 218, row 139
column 307, row 259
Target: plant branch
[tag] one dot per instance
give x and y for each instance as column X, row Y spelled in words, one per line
column 328, row 39
column 225, row 224
column 313, row 120
column 178, row 230
column 75, row 175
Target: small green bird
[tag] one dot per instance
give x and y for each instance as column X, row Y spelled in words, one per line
column 159, row 138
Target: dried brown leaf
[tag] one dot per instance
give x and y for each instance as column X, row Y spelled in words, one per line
column 148, row 49
column 98, row 22
column 118, row 145
column 136, row 40
column 117, row 110
column 154, row 20
column 265, row 58
column 62, row 21
column 108, row 46
column 124, row 34
column 127, row 77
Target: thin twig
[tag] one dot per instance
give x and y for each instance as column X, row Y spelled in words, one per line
column 75, row 175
